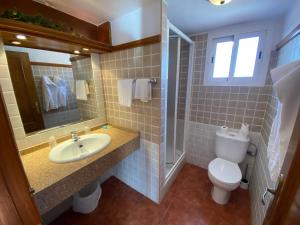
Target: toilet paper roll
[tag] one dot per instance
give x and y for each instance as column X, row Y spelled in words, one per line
column 223, row 129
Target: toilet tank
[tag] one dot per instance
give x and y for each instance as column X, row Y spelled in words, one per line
column 231, row 146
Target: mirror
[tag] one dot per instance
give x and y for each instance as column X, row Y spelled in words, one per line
column 51, row 88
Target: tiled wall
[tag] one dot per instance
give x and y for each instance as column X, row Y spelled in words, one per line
column 64, row 115
column 139, row 170
column 25, row 141
column 82, row 69
column 220, row 105
column 261, row 177
column 182, row 94
column 259, row 181
column 227, row 105
column 140, row 62
column 183, row 78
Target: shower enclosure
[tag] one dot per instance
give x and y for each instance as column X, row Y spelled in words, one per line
column 178, row 94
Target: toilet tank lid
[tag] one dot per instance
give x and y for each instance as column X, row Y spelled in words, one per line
column 233, row 135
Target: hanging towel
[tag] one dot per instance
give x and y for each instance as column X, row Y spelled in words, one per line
column 50, row 94
column 72, row 86
column 82, row 90
column 286, row 81
column 125, row 92
column 143, row 90
column 62, row 93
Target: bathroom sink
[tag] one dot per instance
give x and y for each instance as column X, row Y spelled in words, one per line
column 87, row 145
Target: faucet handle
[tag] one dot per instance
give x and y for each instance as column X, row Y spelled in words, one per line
column 74, row 136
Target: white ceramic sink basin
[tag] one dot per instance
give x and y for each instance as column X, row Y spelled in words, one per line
column 87, row 145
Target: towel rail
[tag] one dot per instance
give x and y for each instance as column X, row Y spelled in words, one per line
column 290, row 36
column 153, row 81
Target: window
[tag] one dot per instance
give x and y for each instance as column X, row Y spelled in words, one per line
column 235, row 60
column 222, row 58
column 246, row 57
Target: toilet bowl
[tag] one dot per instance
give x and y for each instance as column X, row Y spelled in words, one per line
column 225, row 176
column 224, row 171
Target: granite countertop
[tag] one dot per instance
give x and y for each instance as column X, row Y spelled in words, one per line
column 42, row 173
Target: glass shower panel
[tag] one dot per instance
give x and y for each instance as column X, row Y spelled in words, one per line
column 182, row 96
column 171, row 105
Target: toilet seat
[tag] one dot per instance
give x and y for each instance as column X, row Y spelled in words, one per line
column 225, row 173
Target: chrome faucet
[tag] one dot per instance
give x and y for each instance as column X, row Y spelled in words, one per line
column 74, row 136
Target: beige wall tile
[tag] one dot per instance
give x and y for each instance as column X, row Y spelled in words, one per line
column 140, row 62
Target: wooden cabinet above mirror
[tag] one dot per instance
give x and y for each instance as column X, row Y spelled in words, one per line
column 48, row 39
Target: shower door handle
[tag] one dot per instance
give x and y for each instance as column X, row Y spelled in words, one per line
column 272, row 191
column 267, row 190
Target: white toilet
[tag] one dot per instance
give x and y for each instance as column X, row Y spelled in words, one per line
column 224, row 171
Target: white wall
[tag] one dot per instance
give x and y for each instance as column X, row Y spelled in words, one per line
column 36, row 55
column 292, row 18
column 141, row 23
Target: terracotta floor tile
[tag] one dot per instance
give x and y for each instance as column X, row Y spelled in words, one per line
column 188, row 202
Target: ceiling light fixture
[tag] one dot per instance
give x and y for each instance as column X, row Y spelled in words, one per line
column 85, row 49
column 21, row 36
column 219, row 2
column 16, row 42
column 76, row 52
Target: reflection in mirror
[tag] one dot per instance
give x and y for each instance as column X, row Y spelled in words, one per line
column 51, row 88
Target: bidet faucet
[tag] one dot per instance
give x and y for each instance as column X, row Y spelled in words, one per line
column 74, row 136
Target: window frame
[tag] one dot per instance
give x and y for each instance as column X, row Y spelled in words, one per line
column 215, row 41
column 262, row 57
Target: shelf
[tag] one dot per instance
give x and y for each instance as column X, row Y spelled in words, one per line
column 48, row 39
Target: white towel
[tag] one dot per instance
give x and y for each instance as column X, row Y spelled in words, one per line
column 125, row 92
column 72, row 86
column 143, row 90
column 82, row 90
column 62, row 93
column 50, row 94
column 286, row 85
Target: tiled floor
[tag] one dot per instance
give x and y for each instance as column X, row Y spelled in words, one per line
column 188, row 202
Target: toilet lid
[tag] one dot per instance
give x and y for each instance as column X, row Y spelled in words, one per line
column 225, row 171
